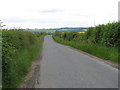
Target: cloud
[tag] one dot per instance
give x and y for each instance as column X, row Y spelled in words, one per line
column 82, row 15
column 51, row 11
column 61, row 13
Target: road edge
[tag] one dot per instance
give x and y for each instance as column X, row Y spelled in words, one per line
column 32, row 77
column 115, row 65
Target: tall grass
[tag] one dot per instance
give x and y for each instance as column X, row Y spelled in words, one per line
column 102, row 40
column 19, row 50
column 101, row 51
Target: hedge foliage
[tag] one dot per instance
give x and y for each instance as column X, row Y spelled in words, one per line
column 19, row 49
column 102, row 41
column 108, row 35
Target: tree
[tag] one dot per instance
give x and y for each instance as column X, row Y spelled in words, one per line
column 1, row 24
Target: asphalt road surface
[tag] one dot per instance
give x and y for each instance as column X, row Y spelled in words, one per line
column 63, row 67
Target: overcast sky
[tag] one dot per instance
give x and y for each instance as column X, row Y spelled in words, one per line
column 57, row 13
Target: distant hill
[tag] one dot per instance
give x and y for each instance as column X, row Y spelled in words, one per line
column 65, row 29
column 80, row 29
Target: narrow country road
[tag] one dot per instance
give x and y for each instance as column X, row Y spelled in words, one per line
column 63, row 67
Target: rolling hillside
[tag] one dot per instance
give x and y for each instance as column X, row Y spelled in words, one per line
column 65, row 29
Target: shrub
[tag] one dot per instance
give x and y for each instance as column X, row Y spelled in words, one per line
column 19, row 49
column 58, row 33
column 96, row 40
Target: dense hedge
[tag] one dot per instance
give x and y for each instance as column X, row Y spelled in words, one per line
column 102, row 41
column 108, row 35
column 19, row 49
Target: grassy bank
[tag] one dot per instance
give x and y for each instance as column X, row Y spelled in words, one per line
column 101, row 41
column 96, row 50
column 19, row 49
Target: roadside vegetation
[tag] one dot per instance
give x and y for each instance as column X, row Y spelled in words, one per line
column 19, row 50
column 101, row 41
column 0, row 59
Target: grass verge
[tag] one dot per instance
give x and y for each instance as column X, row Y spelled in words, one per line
column 104, row 52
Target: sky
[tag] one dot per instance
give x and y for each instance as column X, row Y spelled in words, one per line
column 57, row 13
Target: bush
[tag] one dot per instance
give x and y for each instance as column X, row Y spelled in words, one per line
column 58, row 33
column 104, row 34
column 96, row 40
column 19, row 49
column 107, row 35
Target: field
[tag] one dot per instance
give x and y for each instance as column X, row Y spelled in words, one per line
column 67, row 29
